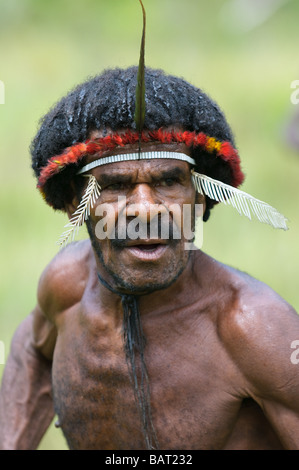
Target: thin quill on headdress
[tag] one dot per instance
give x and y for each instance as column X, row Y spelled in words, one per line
column 140, row 88
column 243, row 202
column 91, row 194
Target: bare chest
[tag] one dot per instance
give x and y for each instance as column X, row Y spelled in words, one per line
column 191, row 403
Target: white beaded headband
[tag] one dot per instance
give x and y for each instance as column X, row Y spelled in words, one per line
column 137, row 156
column 216, row 190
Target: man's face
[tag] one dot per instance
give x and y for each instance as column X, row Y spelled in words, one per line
column 136, row 226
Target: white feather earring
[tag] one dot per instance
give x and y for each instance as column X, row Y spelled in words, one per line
column 91, row 194
column 243, row 202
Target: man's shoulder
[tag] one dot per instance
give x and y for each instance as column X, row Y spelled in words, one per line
column 256, row 304
column 259, row 323
column 63, row 281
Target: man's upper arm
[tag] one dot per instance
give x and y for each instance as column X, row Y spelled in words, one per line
column 259, row 337
column 44, row 334
column 44, row 315
column 60, row 287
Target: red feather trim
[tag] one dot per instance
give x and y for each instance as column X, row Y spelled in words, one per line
column 74, row 154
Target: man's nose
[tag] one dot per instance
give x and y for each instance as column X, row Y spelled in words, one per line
column 144, row 203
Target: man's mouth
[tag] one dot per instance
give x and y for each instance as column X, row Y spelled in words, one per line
column 150, row 247
column 146, row 250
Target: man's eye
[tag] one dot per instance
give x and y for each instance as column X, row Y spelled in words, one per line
column 168, row 182
column 116, row 186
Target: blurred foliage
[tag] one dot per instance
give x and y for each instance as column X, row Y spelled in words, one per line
column 48, row 47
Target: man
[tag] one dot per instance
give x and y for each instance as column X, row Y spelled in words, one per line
column 142, row 343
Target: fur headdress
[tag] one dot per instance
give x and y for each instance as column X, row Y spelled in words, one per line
column 215, row 148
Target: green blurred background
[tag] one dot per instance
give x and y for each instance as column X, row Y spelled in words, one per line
column 244, row 53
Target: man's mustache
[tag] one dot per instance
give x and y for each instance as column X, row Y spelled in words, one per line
column 157, row 229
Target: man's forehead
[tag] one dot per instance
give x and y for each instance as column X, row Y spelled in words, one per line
column 154, row 168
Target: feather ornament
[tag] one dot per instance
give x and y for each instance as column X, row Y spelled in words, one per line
column 90, row 196
column 243, row 202
column 140, row 88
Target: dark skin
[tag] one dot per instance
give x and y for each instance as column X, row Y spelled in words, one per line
column 218, row 341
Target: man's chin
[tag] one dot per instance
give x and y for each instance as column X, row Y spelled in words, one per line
column 144, row 284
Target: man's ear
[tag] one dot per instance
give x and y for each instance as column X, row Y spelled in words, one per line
column 71, row 207
column 200, row 199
